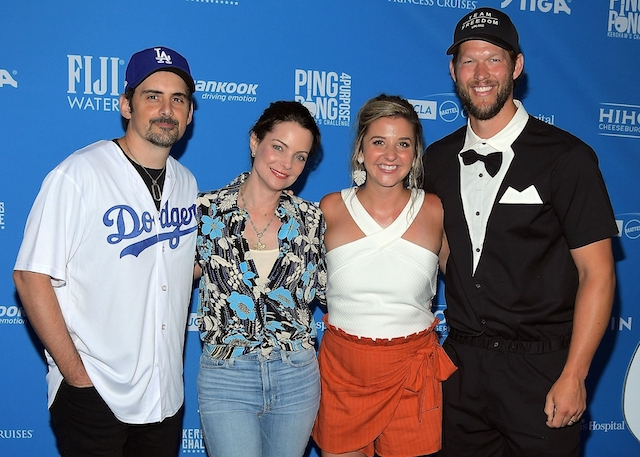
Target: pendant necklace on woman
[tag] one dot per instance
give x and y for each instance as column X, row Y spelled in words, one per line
column 155, row 189
column 259, row 245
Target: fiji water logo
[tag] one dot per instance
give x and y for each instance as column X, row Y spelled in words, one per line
column 628, row 225
column 129, row 226
column 326, row 94
column 618, row 119
column 93, row 83
column 6, row 79
column 444, row 107
column 624, row 19
column 543, row 6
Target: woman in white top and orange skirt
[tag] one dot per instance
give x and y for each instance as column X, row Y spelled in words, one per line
column 381, row 363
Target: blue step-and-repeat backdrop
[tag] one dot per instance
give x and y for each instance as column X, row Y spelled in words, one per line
column 62, row 67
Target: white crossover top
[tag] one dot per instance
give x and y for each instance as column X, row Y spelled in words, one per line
column 381, row 286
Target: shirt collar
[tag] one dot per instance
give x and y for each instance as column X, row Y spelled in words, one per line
column 502, row 140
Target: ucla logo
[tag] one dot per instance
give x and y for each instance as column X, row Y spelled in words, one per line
column 424, row 108
column 162, row 57
column 129, row 226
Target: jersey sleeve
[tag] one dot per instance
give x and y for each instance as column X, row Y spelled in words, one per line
column 54, row 228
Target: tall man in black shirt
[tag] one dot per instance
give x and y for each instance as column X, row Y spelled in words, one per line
column 529, row 270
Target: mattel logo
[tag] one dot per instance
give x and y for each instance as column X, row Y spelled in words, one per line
column 628, row 225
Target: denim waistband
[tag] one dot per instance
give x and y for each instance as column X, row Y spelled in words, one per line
column 260, row 355
column 519, row 346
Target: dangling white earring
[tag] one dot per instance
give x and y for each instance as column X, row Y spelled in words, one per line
column 359, row 174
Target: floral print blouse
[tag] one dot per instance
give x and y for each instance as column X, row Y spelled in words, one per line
column 236, row 315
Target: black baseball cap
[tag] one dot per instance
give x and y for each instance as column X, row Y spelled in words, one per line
column 486, row 24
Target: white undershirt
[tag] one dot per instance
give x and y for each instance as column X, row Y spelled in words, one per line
column 264, row 261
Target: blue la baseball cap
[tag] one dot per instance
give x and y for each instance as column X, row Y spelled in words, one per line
column 146, row 62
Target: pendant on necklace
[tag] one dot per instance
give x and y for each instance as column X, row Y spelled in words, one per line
column 258, row 246
column 156, row 192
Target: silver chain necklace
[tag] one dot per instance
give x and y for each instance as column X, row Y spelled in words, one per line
column 156, row 190
column 259, row 246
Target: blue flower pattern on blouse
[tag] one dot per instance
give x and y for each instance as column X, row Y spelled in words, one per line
column 235, row 314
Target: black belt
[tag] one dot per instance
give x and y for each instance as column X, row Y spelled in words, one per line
column 502, row 344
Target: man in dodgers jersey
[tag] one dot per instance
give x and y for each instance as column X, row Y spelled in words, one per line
column 529, row 278
column 105, row 273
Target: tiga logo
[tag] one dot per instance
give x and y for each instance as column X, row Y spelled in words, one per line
column 544, row 6
column 6, row 78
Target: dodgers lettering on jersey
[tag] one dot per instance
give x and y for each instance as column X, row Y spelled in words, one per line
column 130, row 225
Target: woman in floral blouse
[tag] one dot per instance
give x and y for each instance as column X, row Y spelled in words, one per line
column 260, row 257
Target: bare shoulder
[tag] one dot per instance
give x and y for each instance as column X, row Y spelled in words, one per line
column 332, row 205
column 431, row 207
column 426, row 229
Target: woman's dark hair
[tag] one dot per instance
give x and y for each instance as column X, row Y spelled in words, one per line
column 287, row 111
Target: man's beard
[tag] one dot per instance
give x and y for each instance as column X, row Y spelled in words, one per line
column 165, row 138
column 483, row 113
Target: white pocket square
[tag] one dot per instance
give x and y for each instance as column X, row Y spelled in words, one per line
column 529, row 196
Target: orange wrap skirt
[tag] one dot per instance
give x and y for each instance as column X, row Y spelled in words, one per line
column 382, row 396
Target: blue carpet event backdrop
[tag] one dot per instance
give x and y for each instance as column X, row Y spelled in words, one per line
column 62, row 67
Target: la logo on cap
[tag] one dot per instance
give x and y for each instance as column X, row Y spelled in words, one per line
column 162, row 57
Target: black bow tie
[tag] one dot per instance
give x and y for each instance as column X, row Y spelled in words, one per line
column 491, row 161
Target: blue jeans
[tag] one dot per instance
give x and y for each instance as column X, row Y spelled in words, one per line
column 252, row 406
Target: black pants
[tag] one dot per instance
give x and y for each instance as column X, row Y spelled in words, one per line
column 85, row 427
column 494, row 403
